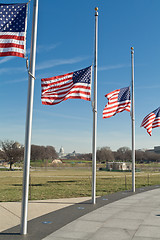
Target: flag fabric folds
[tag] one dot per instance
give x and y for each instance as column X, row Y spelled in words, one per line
column 13, row 24
column 74, row 85
column 152, row 120
column 118, row 101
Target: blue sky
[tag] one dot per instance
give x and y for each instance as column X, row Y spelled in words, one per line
column 65, row 43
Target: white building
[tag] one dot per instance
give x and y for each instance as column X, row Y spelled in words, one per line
column 122, row 166
column 61, row 153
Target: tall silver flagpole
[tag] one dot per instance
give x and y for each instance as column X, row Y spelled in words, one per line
column 95, row 113
column 27, row 152
column 133, row 123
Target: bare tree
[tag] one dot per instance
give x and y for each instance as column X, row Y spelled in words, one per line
column 50, row 153
column 42, row 153
column 13, row 151
column 105, row 154
column 123, row 154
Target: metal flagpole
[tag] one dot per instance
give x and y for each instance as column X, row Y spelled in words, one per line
column 133, row 123
column 95, row 112
column 28, row 130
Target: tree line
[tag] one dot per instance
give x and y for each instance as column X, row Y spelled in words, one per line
column 105, row 154
column 13, row 151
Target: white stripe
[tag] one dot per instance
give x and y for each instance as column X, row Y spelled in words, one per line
column 113, row 110
column 13, row 33
column 62, row 89
column 69, row 89
column 57, row 79
column 12, row 41
column 77, row 95
column 112, row 106
column 12, row 50
column 58, row 84
column 109, row 95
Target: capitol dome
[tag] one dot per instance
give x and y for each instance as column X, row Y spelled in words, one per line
column 61, row 152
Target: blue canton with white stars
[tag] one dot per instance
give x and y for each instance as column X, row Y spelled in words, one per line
column 124, row 94
column 157, row 112
column 82, row 76
column 12, row 17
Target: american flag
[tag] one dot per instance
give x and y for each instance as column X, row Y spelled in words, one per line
column 118, row 101
column 152, row 120
column 13, row 29
column 74, row 85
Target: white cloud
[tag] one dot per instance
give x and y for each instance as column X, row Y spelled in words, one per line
column 111, row 67
column 57, row 62
column 5, row 59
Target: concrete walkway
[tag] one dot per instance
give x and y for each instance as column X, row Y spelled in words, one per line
column 136, row 217
column 120, row 216
column 10, row 212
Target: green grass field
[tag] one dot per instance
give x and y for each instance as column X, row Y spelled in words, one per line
column 67, row 183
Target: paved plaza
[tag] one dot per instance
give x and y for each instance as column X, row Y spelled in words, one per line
column 121, row 216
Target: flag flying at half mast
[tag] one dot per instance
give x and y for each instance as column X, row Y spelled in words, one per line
column 74, row 85
column 13, row 21
column 118, row 101
column 152, row 120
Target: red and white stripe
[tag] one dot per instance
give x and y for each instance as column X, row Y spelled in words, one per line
column 60, row 88
column 113, row 106
column 150, row 121
column 12, row 44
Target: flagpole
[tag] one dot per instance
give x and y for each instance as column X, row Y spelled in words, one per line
column 95, row 112
column 29, row 114
column 133, row 123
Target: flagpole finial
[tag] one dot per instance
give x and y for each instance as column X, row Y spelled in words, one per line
column 96, row 13
column 132, row 50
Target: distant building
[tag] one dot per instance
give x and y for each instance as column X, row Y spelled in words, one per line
column 155, row 150
column 61, row 153
column 120, row 166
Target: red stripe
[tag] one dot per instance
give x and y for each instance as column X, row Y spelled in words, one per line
column 49, row 96
column 59, row 87
column 9, row 45
column 58, row 91
column 58, row 82
column 78, row 97
column 81, row 92
column 21, row 38
column 82, row 86
column 64, row 97
column 56, row 77
column 3, row 54
column 118, row 106
column 75, row 97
